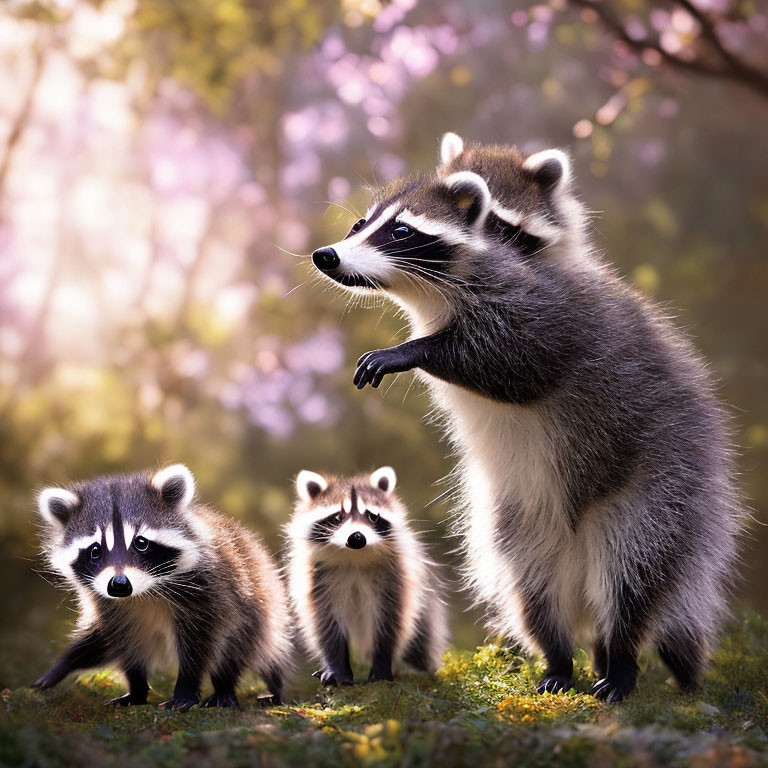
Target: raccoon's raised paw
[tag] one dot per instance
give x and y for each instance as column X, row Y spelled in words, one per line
column 128, row 700
column 330, row 678
column 221, row 700
column 553, row 684
column 180, row 703
column 373, row 366
column 611, row 692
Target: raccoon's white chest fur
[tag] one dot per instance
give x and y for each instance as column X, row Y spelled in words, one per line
column 512, row 517
column 149, row 634
column 355, row 607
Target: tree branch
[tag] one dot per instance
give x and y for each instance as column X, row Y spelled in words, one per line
column 20, row 123
column 730, row 66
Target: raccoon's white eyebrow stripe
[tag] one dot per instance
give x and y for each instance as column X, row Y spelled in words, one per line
column 109, row 537
column 320, row 513
column 64, row 557
column 346, row 505
column 449, row 232
column 360, row 237
column 128, row 531
column 531, row 223
column 510, row 215
column 168, row 537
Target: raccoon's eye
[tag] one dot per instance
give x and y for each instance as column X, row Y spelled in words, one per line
column 401, row 231
column 94, row 551
column 372, row 516
column 337, row 518
column 357, row 226
column 140, row 544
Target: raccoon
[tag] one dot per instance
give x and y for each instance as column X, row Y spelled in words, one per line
column 160, row 580
column 358, row 575
column 597, row 493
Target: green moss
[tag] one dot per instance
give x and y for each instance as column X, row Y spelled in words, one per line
column 480, row 707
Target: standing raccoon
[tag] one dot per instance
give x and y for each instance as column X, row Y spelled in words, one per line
column 596, row 482
column 358, row 576
column 161, row 579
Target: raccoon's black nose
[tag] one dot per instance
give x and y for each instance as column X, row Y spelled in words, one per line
column 356, row 540
column 326, row 259
column 119, row 586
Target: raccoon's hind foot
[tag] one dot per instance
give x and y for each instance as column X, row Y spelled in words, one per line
column 270, row 700
column 375, row 675
column 554, row 683
column 221, row 699
column 128, row 700
column 181, row 703
column 333, row 678
column 684, row 656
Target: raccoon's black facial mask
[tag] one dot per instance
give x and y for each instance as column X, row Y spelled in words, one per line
column 411, row 250
column 144, row 555
column 322, row 530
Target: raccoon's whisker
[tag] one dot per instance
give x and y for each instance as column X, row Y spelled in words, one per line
column 291, row 253
column 354, row 212
column 295, row 288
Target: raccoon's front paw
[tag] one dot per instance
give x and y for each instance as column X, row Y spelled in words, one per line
column 181, row 703
column 373, row 366
column 221, row 700
column 553, row 684
column 128, row 700
column 612, row 691
column 52, row 677
column 333, row 678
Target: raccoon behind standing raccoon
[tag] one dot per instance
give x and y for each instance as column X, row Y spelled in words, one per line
column 359, row 577
column 162, row 580
column 595, row 466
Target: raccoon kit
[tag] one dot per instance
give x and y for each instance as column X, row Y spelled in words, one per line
column 359, row 577
column 160, row 580
column 596, row 481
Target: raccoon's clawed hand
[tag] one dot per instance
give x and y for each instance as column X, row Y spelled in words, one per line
column 221, row 700
column 181, row 703
column 373, row 366
column 331, row 678
column 52, row 677
column 611, row 691
column 553, row 684
column 128, row 700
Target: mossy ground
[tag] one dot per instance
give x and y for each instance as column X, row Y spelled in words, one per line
column 479, row 710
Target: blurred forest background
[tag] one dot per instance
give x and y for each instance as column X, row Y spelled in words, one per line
column 162, row 164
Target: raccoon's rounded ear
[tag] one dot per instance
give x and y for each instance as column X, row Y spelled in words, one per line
column 471, row 195
column 55, row 505
column 384, row 479
column 551, row 168
column 176, row 485
column 451, row 146
column 309, row 485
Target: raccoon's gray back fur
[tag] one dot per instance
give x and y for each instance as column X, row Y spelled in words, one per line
column 594, row 462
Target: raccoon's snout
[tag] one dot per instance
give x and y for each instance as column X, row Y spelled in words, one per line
column 356, row 540
column 119, row 586
column 326, row 259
